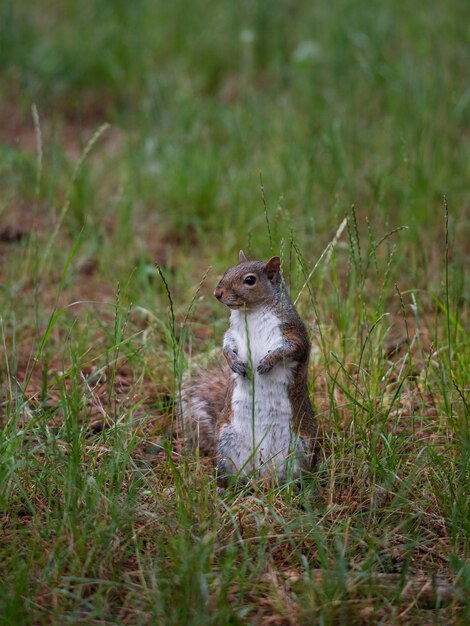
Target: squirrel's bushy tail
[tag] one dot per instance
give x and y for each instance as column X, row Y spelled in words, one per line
column 199, row 406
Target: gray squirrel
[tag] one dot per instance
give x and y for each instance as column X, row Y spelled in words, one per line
column 253, row 415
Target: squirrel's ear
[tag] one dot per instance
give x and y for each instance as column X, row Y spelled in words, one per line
column 242, row 257
column 272, row 268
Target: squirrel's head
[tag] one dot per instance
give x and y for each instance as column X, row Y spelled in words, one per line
column 250, row 284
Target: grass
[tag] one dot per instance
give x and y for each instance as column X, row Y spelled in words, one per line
column 253, row 125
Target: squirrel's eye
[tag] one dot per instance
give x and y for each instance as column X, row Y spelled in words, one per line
column 250, row 280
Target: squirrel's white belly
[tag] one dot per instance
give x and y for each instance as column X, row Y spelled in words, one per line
column 259, row 435
column 256, row 334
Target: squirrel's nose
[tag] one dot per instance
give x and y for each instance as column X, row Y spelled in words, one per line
column 218, row 293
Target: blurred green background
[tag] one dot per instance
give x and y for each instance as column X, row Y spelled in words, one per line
column 335, row 103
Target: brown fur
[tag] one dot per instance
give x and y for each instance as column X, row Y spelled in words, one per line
column 233, row 292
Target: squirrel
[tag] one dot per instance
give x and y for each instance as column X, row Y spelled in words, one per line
column 253, row 415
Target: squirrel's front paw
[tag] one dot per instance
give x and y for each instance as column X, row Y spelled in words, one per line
column 238, row 367
column 265, row 365
column 234, row 362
